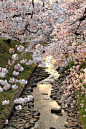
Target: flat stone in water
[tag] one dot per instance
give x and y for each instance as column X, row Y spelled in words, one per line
column 18, row 125
column 10, row 127
column 34, row 85
column 60, row 102
column 36, row 114
column 31, row 121
column 55, row 110
column 44, row 94
column 27, row 125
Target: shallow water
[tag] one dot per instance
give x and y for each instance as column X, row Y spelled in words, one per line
column 43, row 103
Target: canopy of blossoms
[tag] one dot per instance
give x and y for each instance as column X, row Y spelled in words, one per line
column 34, row 22
column 23, row 20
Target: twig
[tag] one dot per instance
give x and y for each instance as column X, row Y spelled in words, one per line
column 81, row 18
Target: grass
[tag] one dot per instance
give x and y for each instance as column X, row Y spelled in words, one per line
column 11, row 94
column 4, row 51
column 71, row 64
column 70, row 44
column 83, row 64
column 82, row 97
column 79, row 44
column 82, row 110
column 67, row 55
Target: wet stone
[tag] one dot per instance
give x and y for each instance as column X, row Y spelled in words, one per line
column 56, row 110
column 13, row 120
column 21, row 115
column 31, row 90
column 19, row 125
column 30, row 105
column 70, row 124
column 32, row 110
column 31, row 121
column 59, row 102
column 36, row 114
column 28, row 92
column 23, row 111
column 24, row 121
column 58, row 98
column 75, row 120
column 71, row 114
column 10, row 127
column 44, row 94
column 34, row 85
column 26, row 126
column 25, row 93
column 54, row 97
column 37, row 117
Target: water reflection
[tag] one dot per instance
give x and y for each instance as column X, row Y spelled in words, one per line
column 44, row 103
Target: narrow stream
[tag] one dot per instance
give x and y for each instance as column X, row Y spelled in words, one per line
column 43, row 103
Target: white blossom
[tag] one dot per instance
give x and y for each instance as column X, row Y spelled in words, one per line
column 18, row 108
column 5, row 102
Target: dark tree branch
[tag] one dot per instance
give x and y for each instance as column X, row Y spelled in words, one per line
column 33, row 3
column 33, row 31
column 81, row 18
column 28, row 13
column 32, row 15
column 76, row 29
column 43, row 4
column 16, row 15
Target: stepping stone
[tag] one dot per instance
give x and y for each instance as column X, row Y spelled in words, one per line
column 44, row 94
column 36, row 114
column 59, row 102
column 34, row 84
column 56, row 110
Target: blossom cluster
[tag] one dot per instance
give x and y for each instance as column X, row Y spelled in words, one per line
column 63, row 53
column 20, row 19
column 22, row 101
column 76, row 80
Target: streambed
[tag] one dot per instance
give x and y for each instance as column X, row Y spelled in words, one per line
column 43, row 103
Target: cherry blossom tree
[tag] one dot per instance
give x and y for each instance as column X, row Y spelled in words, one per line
column 34, row 22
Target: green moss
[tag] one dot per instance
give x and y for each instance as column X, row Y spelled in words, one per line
column 54, row 35
column 67, row 55
column 84, row 85
column 82, row 111
column 2, row 117
column 80, row 80
column 83, row 64
column 27, row 71
column 67, row 67
column 82, row 99
column 4, row 51
column 79, row 44
column 71, row 63
column 70, row 44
